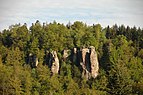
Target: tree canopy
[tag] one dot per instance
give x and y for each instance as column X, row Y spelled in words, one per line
column 120, row 51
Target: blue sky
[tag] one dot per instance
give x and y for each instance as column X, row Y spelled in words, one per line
column 105, row 12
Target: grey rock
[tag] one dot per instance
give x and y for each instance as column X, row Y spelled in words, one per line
column 66, row 54
column 55, row 63
column 94, row 62
column 89, row 63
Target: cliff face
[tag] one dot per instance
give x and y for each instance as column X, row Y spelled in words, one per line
column 85, row 58
column 55, row 63
column 89, row 62
column 52, row 61
column 33, row 60
column 94, row 62
column 66, row 54
column 74, row 55
column 85, row 64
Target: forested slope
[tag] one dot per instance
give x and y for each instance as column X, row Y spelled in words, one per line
column 119, row 50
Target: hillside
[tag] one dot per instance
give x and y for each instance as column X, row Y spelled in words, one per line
column 72, row 59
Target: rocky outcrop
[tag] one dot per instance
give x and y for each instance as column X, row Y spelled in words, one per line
column 36, row 62
column 85, row 63
column 66, row 54
column 84, row 58
column 55, row 63
column 94, row 62
column 52, row 61
column 33, row 60
column 48, row 59
column 89, row 63
column 74, row 55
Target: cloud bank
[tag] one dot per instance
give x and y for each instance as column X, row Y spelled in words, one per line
column 105, row 12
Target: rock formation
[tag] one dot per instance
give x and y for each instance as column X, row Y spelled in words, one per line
column 89, row 62
column 33, row 60
column 94, row 62
column 85, row 63
column 66, row 54
column 85, row 59
column 52, row 61
column 74, row 55
column 55, row 63
column 36, row 62
column 48, row 59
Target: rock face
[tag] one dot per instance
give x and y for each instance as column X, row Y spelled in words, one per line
column 84, row 58
column 66, row 54
column 74, row 55
column 55, row 63
column 85, row 63
column 94, row 62
column 52, row 61
column 33, row 60
column 89, row 63
column 36, row 62
column 49, row 59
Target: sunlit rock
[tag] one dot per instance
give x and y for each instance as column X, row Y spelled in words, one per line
column 66, row 54
column 89, row 62
column 94, row 62
column 55, row 63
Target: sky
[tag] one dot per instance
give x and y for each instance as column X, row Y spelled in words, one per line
column 104, row 12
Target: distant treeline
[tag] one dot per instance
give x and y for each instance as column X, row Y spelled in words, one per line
column 120, row 55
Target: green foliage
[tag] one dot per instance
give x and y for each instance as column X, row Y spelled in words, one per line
column 120, row 54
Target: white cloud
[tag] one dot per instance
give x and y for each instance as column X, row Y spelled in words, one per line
column 106, row 12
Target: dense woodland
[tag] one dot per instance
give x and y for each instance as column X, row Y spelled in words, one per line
column 120, row 55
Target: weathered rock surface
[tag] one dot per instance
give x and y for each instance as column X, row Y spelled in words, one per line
column 85, row 58
column 89, row 62
column 94, row 62
column 36, row 62
column 55, row 63
column 85, row 63
column 52, row 61
column 66, row 54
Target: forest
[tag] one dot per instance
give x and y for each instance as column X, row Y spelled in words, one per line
column 119, row 50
